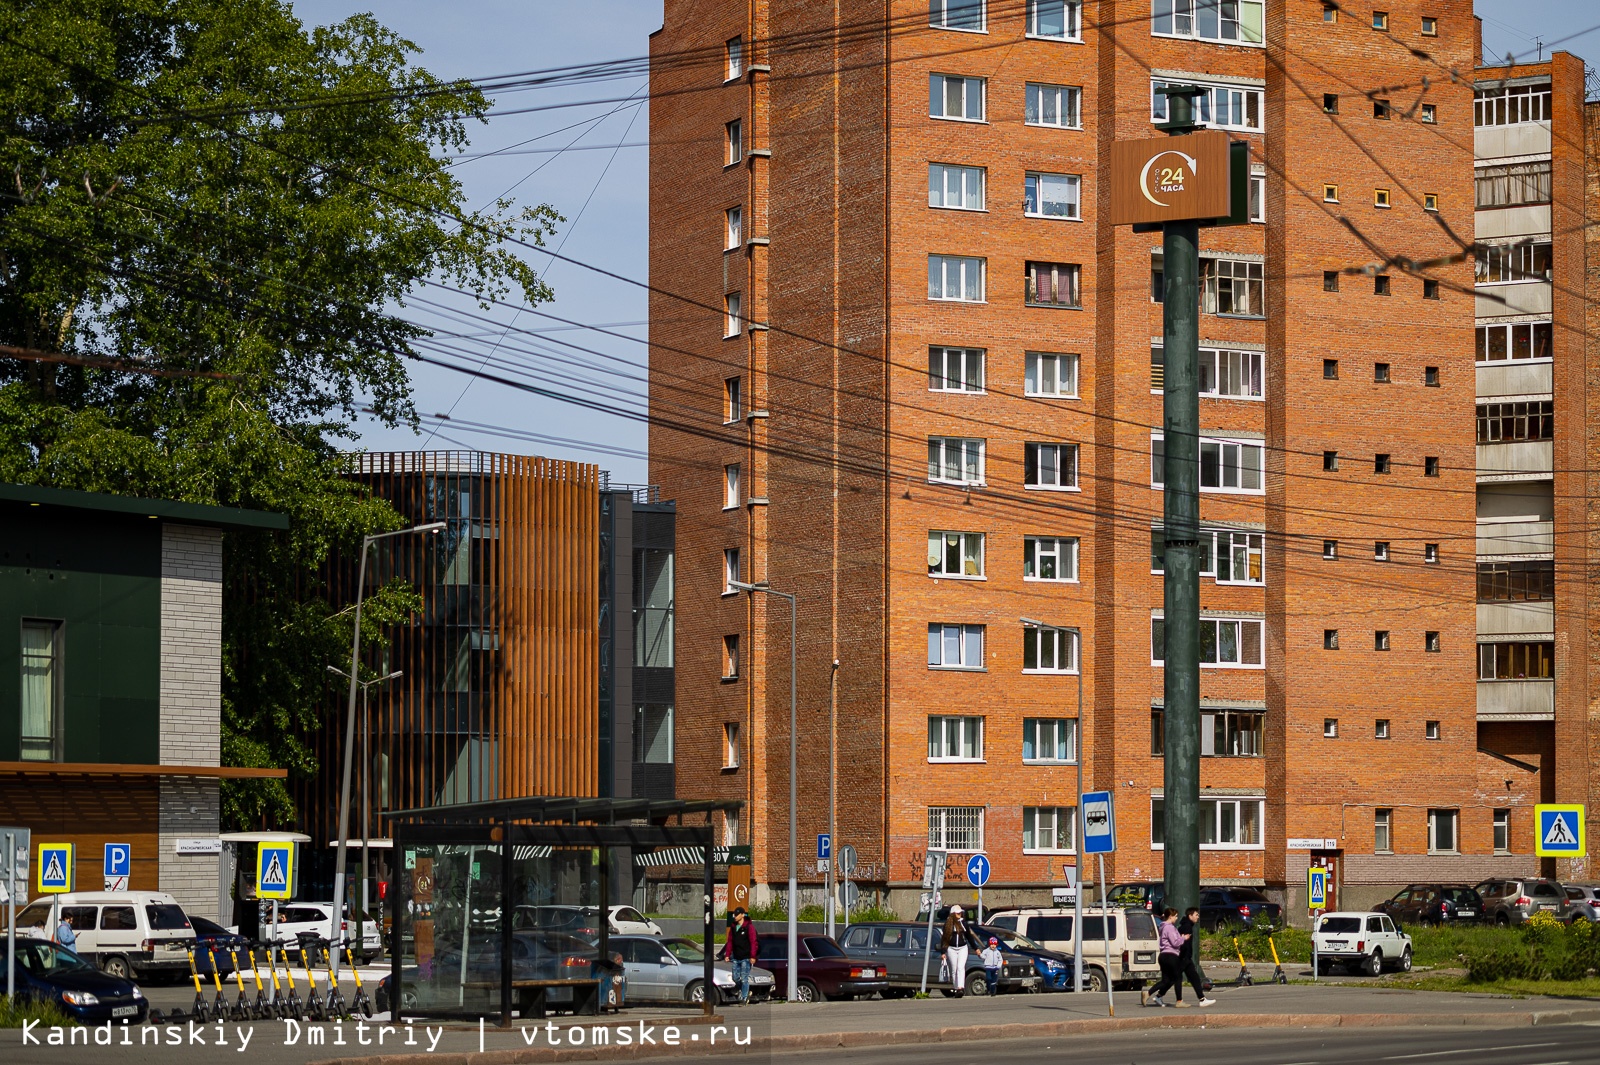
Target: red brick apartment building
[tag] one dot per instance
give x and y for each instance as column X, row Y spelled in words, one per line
column 904, row 368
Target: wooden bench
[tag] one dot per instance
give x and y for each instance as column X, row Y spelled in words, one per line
column 531, row 996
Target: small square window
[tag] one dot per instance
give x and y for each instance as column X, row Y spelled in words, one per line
column 1430, row 554
column 1380, row 728
column 1330, row 281
column 1380, row 551
column 1381, row 110
column 1330, row 461
column 1330, row 549
column 1380, row 285
column 1430, row 730
column 1430, row 466
column 1380, row 198
column 1430, row 376
column 1430, row 642
column 1330, row 194
column 1330, row 369
column 1430, row 290
column 1330, row 102
column 1430, row 26
column 1380, row 20
column 1380, row 372
column 1430, row 201
column 1380, row 463
column 1380, row 640
column 1330, row 11
column 1330, row 728
column 1429, row 114
column 1330, row 639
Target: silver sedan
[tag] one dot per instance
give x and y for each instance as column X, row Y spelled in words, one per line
column 673, row 970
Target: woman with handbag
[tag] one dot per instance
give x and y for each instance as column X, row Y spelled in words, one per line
column 955, row 948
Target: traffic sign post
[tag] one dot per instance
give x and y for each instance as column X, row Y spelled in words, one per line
column 118, row 866
column 978, row 875
column 933, row 870
column 847, row 865
column 1099, row 831
column 55, row 869
column 277, row 872
column 17, row 844
column 1559, row 830
column 1317, row 899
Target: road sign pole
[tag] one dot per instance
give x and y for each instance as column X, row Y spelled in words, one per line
column 11, row 916
column 1105, row 934
column 933, row 879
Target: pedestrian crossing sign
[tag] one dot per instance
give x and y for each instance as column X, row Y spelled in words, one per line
column 1558, row 831
column 275, row 871
column 55, row 868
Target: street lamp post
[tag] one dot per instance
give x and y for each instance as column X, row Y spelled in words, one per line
column 366, row 791
column 350, row 736
column 1077, row 826
column 794, row 891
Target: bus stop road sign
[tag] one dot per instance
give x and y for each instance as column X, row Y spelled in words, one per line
column 1558, row 830
column 1099, row 823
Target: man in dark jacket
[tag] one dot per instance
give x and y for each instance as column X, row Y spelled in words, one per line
column 1189, row 955
column 740, row 947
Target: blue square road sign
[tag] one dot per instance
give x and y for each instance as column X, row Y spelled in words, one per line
column 1099, row 823
column 1559, row 830
column 119, row 859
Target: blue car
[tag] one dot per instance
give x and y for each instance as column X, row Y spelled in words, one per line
column 47, row 972
column 1053, row 967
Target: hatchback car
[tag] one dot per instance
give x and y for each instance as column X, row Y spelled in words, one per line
column 295, row 918
column 1433, row 904
column 825, row 970
column 583, row 920
column 48, row 972
column 1366, row 942
column 215, row 945
column 1583, row 902
column 1508, row 902
column 673, row 970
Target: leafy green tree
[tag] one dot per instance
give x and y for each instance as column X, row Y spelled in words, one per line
column 213, row 220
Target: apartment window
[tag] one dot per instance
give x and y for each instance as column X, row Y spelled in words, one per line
column 1230, row 374
column 1383, row 831
column 1048, row 829
column 1517, row 582
column 1050, row 558
column 1430, row 642
column 1430, row 376
column 1510, row 105
column 1442, row 831
column 733, row 238
column 1330, row 11
column 1225, row 643
column 1258, row 197
column 1430, row 465
column 730, row 745
column 41, row 691
column 653, row 733
column 1051, row 285
column 1524, row 261
column 1233, row 286
column 1380, row 372
column 1430, row 201
column 1158, row 368
column 1430, row 26
column 1380, row 198
column 1380, row 551
column 955, row 739
column 1050, row 465
column 1330, row 194
column 730, row 657
column 730, row 570
column 735, row 58
column 955, row 828
column 1525, row 660
column 1380, row 20
column 1429, row 113
column 1220, row 106
column 955, row 554
column 1225, row 824
column 1380, row 285
column 955, row 187
column 735, row 142
column 955, row 646
column 1502, row 831
column 1330, row 369
column 955, row 369
column 955, row 97
column 1047, row 650
column 1330, row 103
column 1223, row 733
column 1380, row 728
column 1430, row 730
column 1380, row 463
column 1517, row 340
column 1050, row 374
column 1330, row 639
column 730, row 486
column 1380, row 640
column 1330, row 728
column 1231, row 556
column 1225, row 465
column 1430, row 290
column 1050, row 196
column 1053, row 105
column 1330, row 549
column 1049, row 739
column 954, row 460
column 1330, row 283
column 1508, row 186
column 956, row 14
column 1237, row 22
column 1059, row 20
column 733, row 319
column 955, row 277
column 1381, row 110
column 1430, row 554
column 732, row 400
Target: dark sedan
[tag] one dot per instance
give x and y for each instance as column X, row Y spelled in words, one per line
column 1054, row 968
column 825, row 970
column 1427, row 904
column 1238, row 907
column 211, row 940
column 50, row 973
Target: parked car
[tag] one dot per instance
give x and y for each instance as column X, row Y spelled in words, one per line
column 295, row 918
column 1054, row 968
column 899, row 947
column 1147, row 895
column 1237, row 907
column 583, row 920
column 1583, row 902
column 673, row 970
column 129, row 934
column 1133, row 945
column 212, row 941
column 47, row 972
column 825, row 971
column 1366, row 942
column 1508, row 902
column 1433, row 904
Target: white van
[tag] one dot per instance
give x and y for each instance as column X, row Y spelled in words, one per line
column 131, row 934
column 1134, row 945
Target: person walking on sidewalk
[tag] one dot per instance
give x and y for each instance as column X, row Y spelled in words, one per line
column 955, row 947
column 1189, row 956
column 993, row 960
column 740, row 947
column 1171, row 968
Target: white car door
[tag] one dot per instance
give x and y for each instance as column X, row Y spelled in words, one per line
column 1394, row 942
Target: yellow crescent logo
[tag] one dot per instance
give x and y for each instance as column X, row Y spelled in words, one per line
column 1144, row 175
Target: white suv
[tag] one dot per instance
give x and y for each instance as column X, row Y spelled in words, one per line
column 1365, row 942
column 314, row 917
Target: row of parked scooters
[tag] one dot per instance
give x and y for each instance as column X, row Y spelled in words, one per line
column 285, row 1002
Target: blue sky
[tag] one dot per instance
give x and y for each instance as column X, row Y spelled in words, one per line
column 602, row 190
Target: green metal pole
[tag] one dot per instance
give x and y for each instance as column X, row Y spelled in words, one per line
column 1181, row 517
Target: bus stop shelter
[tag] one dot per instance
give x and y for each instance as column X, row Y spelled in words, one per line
column 487, row 900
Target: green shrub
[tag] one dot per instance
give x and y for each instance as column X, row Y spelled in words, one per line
column 14, row 1012
column 872, row 913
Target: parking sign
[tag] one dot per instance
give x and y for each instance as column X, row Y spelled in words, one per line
column 1099, row 823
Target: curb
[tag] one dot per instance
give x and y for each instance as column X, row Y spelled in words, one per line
column 981, row 1032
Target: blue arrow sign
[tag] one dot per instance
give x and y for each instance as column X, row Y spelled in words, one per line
column 119, row 859
column 978, row 870
column 1099, row 823
column 824, row 847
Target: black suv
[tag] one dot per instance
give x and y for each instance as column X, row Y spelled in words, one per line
column 1433, row 904
column 1238, row 907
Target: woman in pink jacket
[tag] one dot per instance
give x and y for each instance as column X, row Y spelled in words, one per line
column 1171, row 968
